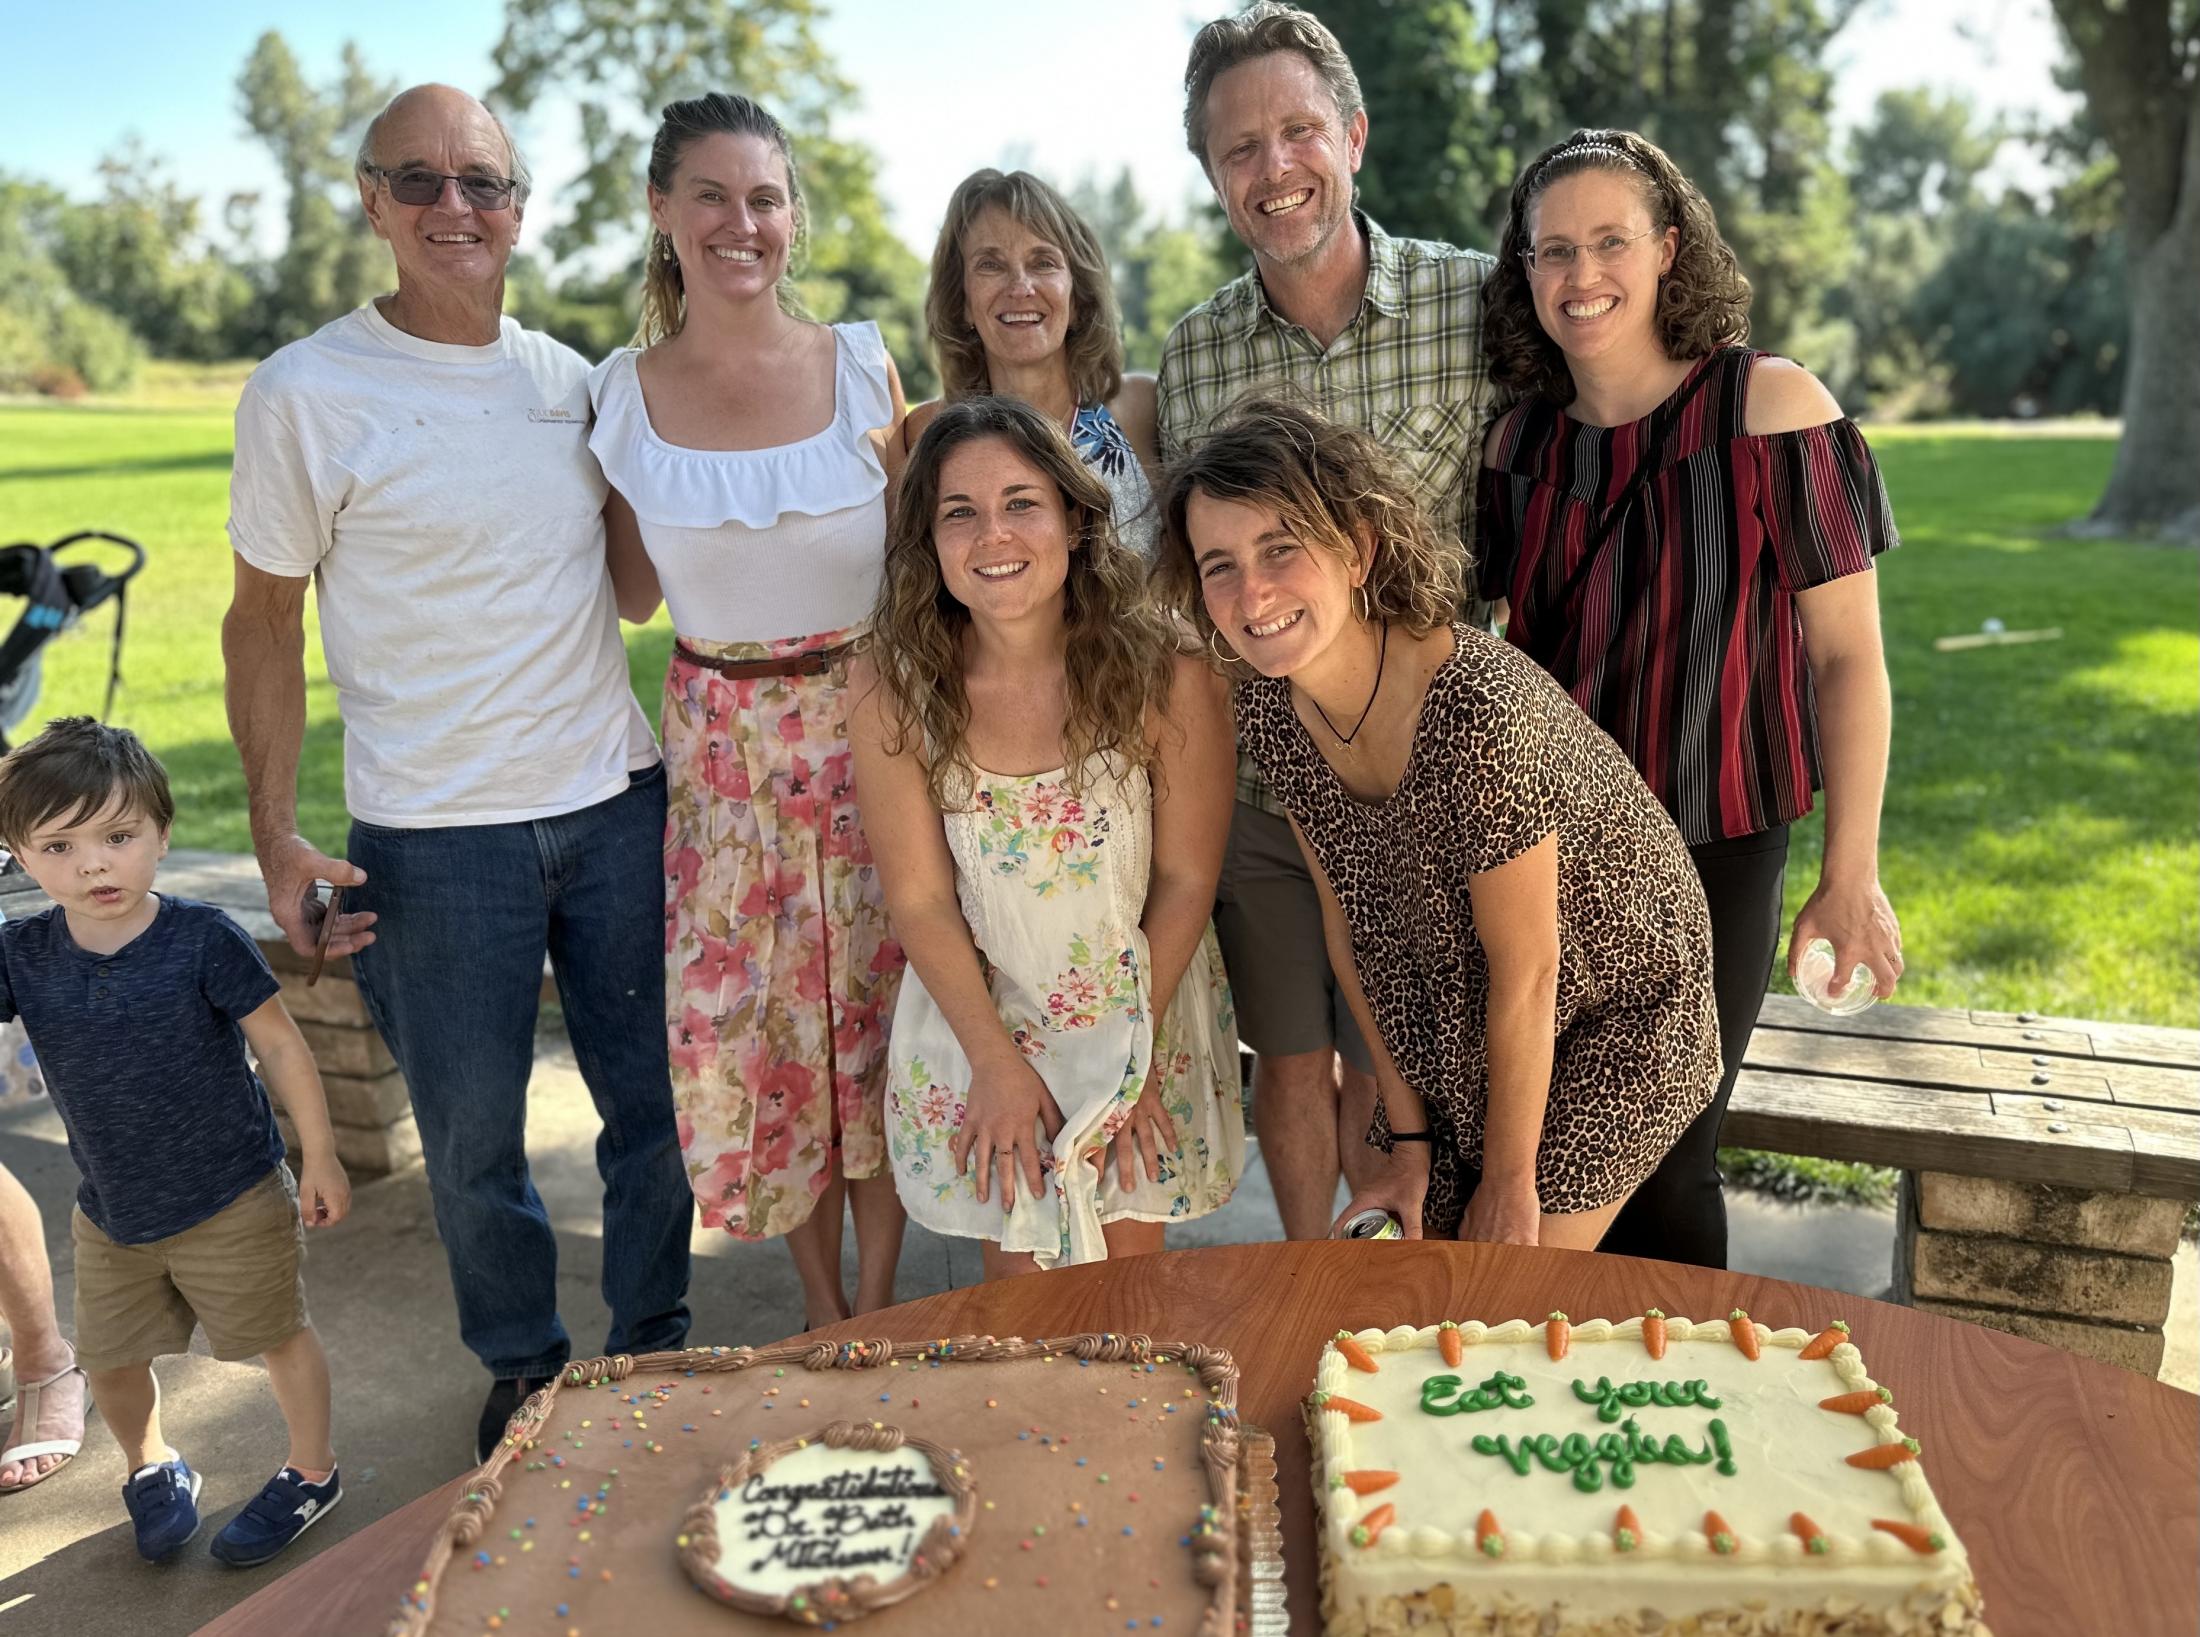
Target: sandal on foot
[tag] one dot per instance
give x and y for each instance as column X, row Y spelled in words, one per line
column 30, row 1406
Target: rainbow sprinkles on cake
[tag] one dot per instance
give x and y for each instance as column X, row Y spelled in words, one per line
column 1552, row 1479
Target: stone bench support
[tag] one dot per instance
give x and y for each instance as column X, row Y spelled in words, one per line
column 368, row 1106
column 2086, row 1271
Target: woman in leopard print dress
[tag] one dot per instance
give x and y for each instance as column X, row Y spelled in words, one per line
column 1514, row 915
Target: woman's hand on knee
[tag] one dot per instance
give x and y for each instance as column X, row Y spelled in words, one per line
column 1144, row 1136
column 1504, row 1213
column 1007, row 1106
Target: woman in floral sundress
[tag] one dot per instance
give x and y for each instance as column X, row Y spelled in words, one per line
column 1047, row 778
column 747, row 450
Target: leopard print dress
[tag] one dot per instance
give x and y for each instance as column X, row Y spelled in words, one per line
column 1501, row 758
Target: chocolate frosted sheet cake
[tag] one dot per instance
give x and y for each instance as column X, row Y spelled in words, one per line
column 1087, row 1483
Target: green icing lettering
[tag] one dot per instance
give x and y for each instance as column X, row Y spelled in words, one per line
column 1612, row 1402
column 1577, row 1453
column 1517, row 1459
column 1500, row 1391
column 1725, row 1449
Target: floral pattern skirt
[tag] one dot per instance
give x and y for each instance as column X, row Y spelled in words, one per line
column 780, row 971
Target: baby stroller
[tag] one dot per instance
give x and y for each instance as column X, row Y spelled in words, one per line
column 56, row 595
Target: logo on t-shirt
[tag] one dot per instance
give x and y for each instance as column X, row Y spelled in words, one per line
column 555, row 417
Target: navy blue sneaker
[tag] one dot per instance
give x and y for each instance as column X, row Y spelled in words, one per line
column 275, row 1517
column 164, row 1505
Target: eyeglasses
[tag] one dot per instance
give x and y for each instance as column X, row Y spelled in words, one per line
column 1556, row 257
column 416, row 186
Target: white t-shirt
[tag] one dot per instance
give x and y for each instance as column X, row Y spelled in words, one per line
column 446, row 504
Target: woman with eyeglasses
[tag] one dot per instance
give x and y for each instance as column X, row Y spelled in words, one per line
column 748, row 450
column 1682, row 530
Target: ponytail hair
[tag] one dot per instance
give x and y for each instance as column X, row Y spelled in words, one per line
column 719, row 113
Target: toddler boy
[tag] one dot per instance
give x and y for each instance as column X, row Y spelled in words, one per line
column 140, row 1007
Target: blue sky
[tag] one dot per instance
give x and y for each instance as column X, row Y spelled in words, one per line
column 1065, row 87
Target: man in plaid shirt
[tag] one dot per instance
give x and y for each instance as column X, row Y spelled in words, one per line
column 1378, row 332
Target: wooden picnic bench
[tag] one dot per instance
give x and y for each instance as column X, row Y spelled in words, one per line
column 2046, row 1162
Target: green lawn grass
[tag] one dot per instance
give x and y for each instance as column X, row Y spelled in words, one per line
column 2042, row 834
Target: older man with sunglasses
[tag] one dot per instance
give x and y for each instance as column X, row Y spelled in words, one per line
column 424, row 461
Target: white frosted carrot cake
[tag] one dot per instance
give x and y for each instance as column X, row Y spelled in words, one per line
column 1651, row 1475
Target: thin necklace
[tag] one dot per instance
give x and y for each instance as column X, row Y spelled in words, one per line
column 1382, row 655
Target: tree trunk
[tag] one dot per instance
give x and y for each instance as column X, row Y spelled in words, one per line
column 2155, row 485
column 2141, row 89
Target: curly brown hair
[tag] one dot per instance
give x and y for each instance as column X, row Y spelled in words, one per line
column 1095, row 339
column 1120, row 651
column 1703, row 300
column 1331, row 485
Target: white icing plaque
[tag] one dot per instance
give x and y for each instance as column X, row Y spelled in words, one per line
column 829, row 1527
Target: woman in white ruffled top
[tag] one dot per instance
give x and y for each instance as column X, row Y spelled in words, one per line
column 747, row 451
column 1049, row 776
column 1022, row 304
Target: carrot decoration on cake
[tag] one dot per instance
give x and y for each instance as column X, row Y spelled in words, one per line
column 1812, row 1537
column 1745, row 1333
column 1914, row 1536
column 1370, row 1528
column 1350, row 1408
column 1556, row 1334
column 1653, row 1332
column 1825, row 1341
column 1721, row 1536
column 1857, row 1403
column 1488, row 1538
column 1627, row 1532
column 1354, row 1354
column 1449, row 1343
column 1367, row 1481
column 1881, row 1456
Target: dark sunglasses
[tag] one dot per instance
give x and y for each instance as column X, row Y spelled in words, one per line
column 416, row 186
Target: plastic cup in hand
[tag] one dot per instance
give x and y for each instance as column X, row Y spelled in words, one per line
column 1814, row 982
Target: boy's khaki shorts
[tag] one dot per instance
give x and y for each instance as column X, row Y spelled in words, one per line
column 240, row 1273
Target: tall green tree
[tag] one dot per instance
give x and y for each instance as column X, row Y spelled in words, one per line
column 1438, row 151
column 1161, row 270
column 52, row 340
column 620, row 61
column 2138, row 64
column 330, row 261
column 139, row 251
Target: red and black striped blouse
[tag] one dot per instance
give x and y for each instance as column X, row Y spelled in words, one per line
column 1685, row 644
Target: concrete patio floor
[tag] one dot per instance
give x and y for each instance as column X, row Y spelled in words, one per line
column 408, row 1393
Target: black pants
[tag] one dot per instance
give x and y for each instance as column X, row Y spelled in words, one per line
column 1679, row 1213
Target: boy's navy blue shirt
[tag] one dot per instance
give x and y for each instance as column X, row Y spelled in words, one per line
column 145, row 1060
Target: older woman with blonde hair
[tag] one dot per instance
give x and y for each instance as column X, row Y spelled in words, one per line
column 1509, row 910
column 1022, row 304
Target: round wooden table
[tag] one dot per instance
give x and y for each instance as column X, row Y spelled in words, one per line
column 2076, row 1486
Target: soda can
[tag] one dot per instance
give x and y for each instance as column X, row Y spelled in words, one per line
column 1372, row 1224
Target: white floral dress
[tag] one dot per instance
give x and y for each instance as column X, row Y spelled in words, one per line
column 1052, row 881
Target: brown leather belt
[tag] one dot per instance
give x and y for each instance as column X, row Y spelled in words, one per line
column 815, row 663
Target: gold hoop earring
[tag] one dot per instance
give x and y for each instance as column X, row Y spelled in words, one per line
column 1366, row 609
column 1222, row 656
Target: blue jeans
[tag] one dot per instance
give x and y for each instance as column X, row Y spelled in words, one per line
column 453, row 981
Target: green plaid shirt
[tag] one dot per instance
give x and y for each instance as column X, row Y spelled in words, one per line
column 1408, row 368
